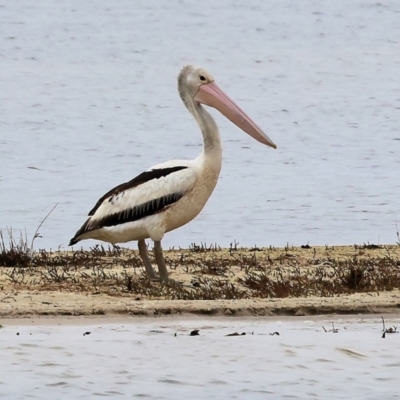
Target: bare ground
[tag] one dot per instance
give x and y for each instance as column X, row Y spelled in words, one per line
column 206, row 281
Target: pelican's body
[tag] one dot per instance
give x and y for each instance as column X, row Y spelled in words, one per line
column 194, row 180
column 170, row 194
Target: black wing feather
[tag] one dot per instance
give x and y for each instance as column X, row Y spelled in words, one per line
column 138, row 212
column 134, row 213
column 142, row 178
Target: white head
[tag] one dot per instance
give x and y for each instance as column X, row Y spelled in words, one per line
column 198, row 85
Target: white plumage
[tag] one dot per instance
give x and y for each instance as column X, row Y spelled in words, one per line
column 170, row 194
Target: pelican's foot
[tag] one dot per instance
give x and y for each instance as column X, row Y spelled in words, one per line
column 168, row 281
column 154, row 278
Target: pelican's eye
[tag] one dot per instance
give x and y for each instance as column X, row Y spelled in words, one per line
column 202, row 78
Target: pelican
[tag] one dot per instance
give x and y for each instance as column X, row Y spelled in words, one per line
column 170, row 194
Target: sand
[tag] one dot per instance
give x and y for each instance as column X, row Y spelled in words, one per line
column 48, row 298
column 26, row 303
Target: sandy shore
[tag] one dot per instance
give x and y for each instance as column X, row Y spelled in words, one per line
column 30, row 296
column 26, row 303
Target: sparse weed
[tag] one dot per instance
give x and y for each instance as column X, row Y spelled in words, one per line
column 209, row 272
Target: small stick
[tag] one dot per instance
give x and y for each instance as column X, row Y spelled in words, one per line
column 8, row 297
column 37, row 230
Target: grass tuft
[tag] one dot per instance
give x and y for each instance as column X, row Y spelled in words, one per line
column 204, row 272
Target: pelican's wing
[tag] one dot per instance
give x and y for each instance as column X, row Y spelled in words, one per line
column 149, row 193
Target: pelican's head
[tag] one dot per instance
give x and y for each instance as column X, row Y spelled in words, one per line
column 198, row 84
column 191, row 78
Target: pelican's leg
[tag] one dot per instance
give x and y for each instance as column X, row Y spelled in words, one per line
column 162, row 268
column 146, row 260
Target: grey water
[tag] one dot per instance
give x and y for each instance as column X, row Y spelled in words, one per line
column 88, row 100
column 157, row 359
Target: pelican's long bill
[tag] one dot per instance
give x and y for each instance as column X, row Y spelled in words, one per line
column 211, row 95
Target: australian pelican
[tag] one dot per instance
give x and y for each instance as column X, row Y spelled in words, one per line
column 171, row 194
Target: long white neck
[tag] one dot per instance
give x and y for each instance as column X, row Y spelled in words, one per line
column 209, row 129
column 211, row 155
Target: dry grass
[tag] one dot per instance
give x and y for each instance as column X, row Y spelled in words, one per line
column 205, row 272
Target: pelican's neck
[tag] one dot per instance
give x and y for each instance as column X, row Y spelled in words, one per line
column 209, row 129
column 211, row 156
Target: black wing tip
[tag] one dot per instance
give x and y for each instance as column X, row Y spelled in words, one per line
column 73, row 241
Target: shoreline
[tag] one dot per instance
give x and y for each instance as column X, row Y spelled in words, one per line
column 199, row 321
column 26, row 304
